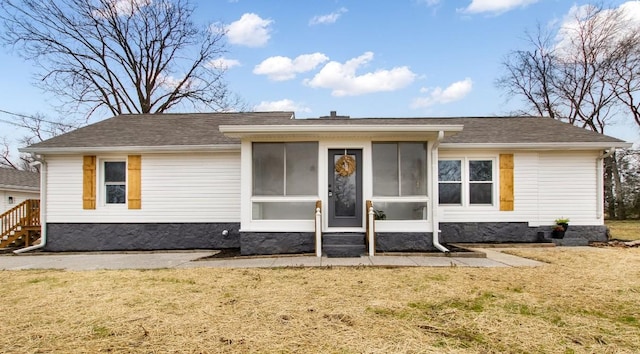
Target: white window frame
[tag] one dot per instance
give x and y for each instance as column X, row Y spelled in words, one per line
column 420, row 198
column 465, row 201
column 102, row 195
column 285, row 198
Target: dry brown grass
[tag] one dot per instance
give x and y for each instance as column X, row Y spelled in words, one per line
column 584, row 300
column 624, row 229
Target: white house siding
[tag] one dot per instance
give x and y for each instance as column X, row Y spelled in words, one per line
column 568, row 187
column 547, row 185
column 176, row 188
column 18, row 197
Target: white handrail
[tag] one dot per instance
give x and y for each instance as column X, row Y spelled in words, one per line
column 318, row 233
column 372, row 245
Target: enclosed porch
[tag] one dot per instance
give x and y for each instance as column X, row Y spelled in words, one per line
column 304, row 187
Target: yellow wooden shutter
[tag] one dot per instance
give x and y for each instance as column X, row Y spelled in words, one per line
column 133, row 182
column 88, row 182
column 506, row 182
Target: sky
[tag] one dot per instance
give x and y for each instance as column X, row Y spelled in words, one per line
column 384, row 58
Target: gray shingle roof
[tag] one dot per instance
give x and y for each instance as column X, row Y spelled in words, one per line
column 19, row 180
column 201, row 129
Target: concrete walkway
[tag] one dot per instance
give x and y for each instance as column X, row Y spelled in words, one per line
column 194, row 259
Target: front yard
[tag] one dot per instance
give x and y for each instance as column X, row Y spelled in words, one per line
column 584, row 300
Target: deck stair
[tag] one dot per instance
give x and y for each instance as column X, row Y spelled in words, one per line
column 343, row 244
column 20, row 226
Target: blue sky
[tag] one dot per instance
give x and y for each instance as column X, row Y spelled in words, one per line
column 401, row 58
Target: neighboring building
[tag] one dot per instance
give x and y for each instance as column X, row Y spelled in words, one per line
column 17, row 186
column 253, row 180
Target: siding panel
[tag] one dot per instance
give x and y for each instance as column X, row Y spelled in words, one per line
column 174, row 188
column 547, row 185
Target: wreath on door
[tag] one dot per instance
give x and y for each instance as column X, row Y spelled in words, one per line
column 345, row 166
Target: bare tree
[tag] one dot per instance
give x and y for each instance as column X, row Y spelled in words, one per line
column 585, row 73
column 38, row 128
column 530, row 74
column 126, row 56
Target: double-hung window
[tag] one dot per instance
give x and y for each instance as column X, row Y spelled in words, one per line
column 466, row 181
column 400, row 180
column 115, row 182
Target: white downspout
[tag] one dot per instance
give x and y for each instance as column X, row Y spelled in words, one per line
column 434, row 188
column 43, row 208
column 600, row 181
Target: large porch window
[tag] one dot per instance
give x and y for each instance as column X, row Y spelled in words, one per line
column 400, row 180
column 285, row 180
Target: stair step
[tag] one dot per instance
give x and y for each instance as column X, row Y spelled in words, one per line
column 343, row 244
column 343, row 239
column 333, row 251
column 570, row 241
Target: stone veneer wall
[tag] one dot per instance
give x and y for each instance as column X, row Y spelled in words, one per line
column 147, row 236
column 255, row 243
column 404, row 242
column 479, row 232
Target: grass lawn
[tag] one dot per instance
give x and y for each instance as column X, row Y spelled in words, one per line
column 624, row 229
column 584, row 300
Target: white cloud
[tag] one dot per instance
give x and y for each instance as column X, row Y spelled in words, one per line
column 280, row 68
column 343, row 81
column 569, row 28
column 495, row 6
column 250, row 30
column 223, row 63
column 327, row 19
column 282, row 105
column 454, row 92
column 122, row 7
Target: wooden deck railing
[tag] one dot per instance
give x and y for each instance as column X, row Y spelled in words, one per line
column 24, row 215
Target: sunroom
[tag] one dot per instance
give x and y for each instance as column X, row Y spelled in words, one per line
column 303, row 181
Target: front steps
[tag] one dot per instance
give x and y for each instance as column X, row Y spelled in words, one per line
column 343, row 244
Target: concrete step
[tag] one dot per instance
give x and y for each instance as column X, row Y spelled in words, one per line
column 570, row 241
column 341, row 251
column 343, row 239
column 343, row 244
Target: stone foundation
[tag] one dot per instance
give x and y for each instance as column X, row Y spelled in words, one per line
column 404, row 242
column 147, row 236
column 496, row 232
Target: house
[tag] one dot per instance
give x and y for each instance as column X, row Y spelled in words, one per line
column 17, row 186
column 269, row 183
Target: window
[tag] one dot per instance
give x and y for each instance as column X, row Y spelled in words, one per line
column 480, row 182
column 115, row 182
column 465, row 181
column 285, row 169
column 450, row 181
column 399, row 169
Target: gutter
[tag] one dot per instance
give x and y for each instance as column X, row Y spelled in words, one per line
column 600, row 181
column 43, row 207
column 434, row 202
column 128, row 149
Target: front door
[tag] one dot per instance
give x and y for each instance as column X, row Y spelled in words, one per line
column 345, row 188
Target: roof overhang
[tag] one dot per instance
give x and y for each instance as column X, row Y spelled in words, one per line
column 333, row 130
column 136, row 149
column 14, row 188
column 539, row 146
